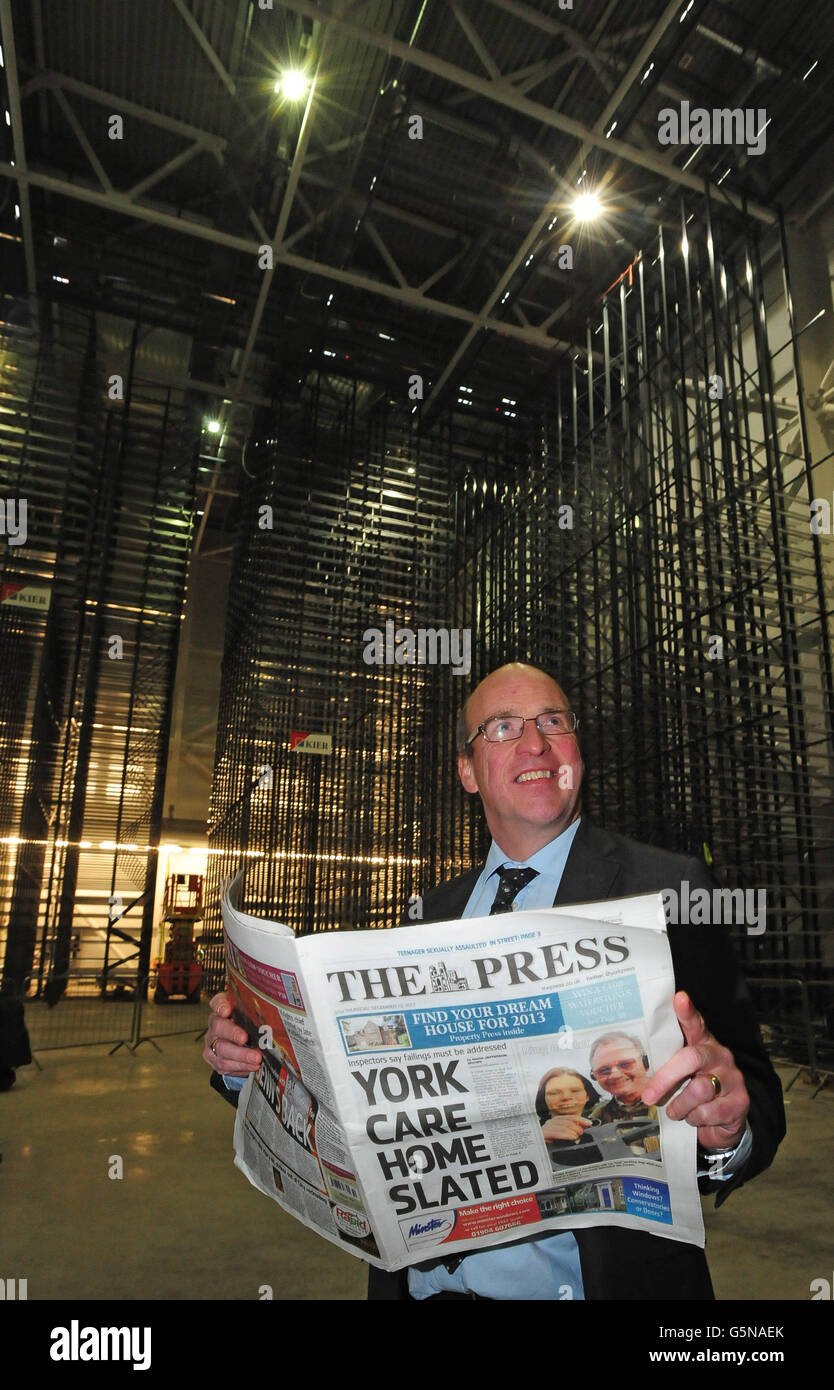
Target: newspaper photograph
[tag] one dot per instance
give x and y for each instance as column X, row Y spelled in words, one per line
column 452, row 1086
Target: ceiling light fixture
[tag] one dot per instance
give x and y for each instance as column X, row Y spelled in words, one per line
column 292, row 84
column 586, row 207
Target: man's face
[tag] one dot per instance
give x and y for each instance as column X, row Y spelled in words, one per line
column 525, row 783
column 565, row 1095
column 618, row 1068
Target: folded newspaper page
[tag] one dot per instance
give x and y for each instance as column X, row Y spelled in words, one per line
column 452, row 1086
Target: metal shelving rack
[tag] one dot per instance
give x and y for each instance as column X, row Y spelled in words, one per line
column 679, row 438
column 357, row 538
column 109, row 480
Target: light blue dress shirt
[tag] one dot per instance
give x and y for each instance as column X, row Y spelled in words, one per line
column 545, row 1267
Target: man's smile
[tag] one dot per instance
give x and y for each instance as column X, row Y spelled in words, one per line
column 534, row 775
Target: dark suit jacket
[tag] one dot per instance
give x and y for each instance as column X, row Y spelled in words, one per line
column 624, row 1264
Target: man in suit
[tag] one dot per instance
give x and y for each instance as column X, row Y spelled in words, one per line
column 519, row 753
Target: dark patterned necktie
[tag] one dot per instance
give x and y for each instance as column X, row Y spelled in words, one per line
column 512, row 882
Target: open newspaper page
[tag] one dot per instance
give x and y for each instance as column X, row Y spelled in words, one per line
column 453, row 1086
column 288, row 1138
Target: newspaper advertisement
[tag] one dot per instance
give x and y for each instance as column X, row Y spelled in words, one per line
column 452, row 1086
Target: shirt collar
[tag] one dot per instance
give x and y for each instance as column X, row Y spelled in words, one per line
column 549, row 860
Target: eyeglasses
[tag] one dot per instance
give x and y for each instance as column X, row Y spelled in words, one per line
column 502, row 728
column 629, row 1064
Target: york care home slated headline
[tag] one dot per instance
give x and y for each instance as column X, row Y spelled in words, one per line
column 404, row 1107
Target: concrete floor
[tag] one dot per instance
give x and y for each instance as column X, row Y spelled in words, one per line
column 183, row 1223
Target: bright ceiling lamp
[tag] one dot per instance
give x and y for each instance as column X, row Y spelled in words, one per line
column 292, row 84
column 586, row 207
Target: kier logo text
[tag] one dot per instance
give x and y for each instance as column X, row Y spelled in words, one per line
column 77, row 1343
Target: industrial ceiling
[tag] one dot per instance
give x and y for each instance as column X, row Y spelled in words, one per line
column 398, row 246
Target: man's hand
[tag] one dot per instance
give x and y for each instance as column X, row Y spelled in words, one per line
column 719, row 1119
column 570, row 1127
column 230, row 1056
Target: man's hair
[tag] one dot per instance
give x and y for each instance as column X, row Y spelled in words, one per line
column 615, row 1037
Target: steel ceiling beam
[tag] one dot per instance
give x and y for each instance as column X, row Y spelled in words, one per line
column 120, row 204
column 638, row 63
column 206, row 46
column 624, row 85
column 495, row 136
column 544, row 71
column 282, row 223
column 176, row 162
column 524, row 79
column 48, row 80
column 358, row 201
column 531, row 240
column 476, row 43
column 651, row 41
column 258, row 225
column 305, row 203
column 204, row 231
column 504, row 94
column 617, row 37
column 557, row 28
column 240, row 36
column 379, row 243
column 19, row 168
column 414, row 299
column 327, row 151
column 315, row 221
column 445, row 268
column 492, row 299
column 81, row 136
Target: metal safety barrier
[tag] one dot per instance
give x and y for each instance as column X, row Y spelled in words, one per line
column 801, row 1036
column 164, row 1020
column 825, row 1025
column 79, row 1016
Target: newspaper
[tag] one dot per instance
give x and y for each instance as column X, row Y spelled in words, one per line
column 427, row 1091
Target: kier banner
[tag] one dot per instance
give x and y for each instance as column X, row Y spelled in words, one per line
column 34, row 597
column 301, row 742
